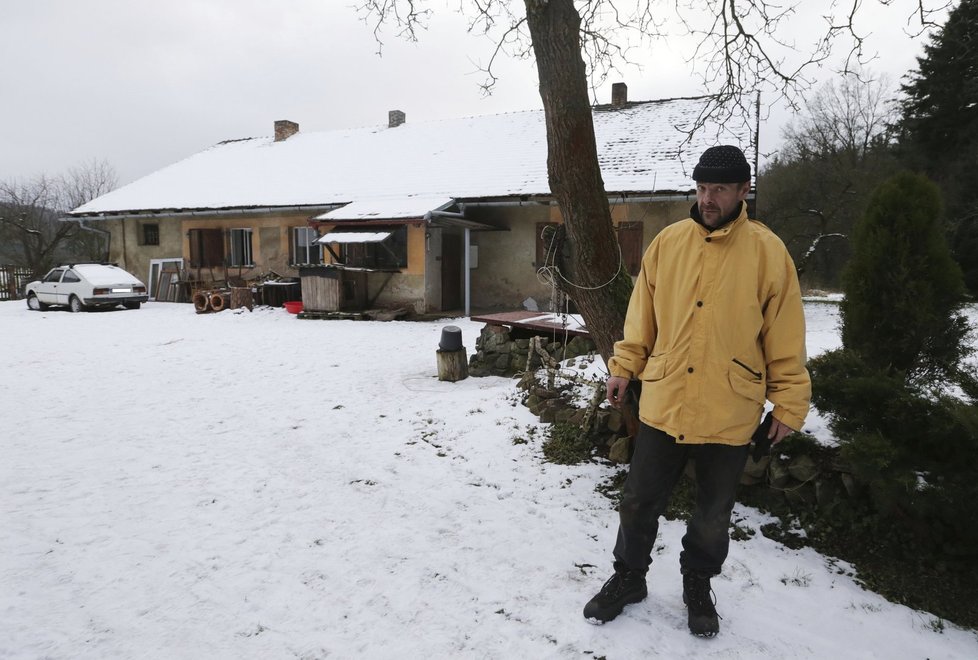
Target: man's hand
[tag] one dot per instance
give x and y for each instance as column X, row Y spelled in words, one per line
column 778, row 431
column 616, row 386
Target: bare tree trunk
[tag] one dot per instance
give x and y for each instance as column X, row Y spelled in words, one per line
column 598, row 283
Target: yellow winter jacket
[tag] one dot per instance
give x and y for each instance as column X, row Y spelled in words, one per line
column 715, row 326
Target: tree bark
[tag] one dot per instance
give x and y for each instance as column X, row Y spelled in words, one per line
column 592, row 272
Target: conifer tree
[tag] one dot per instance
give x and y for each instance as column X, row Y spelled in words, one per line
column 903, row 288
column 899, row 394
column 939, row 125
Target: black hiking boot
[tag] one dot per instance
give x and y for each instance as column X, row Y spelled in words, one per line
column 698, row 597
column 622, row 588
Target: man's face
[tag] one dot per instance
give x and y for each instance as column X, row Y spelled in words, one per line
column 716, row 201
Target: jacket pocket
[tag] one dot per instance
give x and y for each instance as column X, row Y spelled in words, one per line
column 746, row 383
column 756, row 374
column 655, row 369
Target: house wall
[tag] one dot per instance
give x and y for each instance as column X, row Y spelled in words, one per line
column 270, row 241
column 505, row 277
column 507, row 272
column 127, row 250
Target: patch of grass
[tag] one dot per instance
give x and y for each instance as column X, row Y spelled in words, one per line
column 524, row 436
column 911, row 571
column 799, row 579
column 611, row 487
column 937, row 625
column 741, row 533
column 566, row 446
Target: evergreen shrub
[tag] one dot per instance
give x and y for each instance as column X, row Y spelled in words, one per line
column 898, row 394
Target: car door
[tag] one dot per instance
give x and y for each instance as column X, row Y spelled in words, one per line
column 47, row 290
column 71, row 283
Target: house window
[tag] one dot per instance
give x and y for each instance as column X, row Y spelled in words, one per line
column 151, row 234
column 304, row 249
column 206, row 248
column 545, row 244
column 389, row 253
column 239, row 242
column 630, row 242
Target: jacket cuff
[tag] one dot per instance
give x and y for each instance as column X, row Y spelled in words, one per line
column 792, row 421
column 616, row 369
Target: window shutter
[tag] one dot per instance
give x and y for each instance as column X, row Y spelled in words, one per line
column 206, row 248
column 630, row 242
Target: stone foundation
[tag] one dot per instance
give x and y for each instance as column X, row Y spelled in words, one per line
column 501, row 351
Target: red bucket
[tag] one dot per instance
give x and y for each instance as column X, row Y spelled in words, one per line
column 293, row 306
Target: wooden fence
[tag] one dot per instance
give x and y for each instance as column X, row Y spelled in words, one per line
column 12, row 281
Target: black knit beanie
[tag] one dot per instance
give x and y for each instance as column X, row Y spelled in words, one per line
column 722, row 164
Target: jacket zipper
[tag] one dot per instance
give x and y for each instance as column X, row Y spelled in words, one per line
column 755, row 374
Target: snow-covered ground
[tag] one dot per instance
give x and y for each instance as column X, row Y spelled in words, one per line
column 249, row 485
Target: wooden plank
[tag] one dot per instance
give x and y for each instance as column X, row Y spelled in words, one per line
column 529, row 321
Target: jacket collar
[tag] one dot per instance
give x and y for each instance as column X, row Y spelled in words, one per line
column 729, row 223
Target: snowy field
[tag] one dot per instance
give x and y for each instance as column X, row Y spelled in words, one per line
column 249, row 485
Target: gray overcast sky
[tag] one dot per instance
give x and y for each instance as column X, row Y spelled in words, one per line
column 144, row 83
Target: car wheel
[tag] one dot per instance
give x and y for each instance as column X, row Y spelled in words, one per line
column 75, row 304
column 131, row 305
column 35, row 304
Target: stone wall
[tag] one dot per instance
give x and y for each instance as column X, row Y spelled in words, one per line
column 502, row 351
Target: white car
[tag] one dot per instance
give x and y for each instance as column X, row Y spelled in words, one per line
column 86, row 286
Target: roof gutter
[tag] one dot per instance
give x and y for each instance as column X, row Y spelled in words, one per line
column 127, row 215
column 613, row 198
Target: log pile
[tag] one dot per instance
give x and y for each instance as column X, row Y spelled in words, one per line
column 217, row 300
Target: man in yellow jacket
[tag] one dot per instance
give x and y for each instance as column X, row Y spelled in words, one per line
column 715, row 326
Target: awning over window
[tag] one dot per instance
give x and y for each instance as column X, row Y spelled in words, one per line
column 355, row 237
column 393, row 208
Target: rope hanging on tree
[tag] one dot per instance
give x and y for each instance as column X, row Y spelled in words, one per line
column 546, row 272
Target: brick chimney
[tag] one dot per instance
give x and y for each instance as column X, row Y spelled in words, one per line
column 284, row 129
column 619, row 94
column 395, row 118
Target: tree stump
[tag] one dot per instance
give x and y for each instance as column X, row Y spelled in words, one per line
column 241, row 297
column 452, row 365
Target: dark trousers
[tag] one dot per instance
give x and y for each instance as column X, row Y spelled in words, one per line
column 657, row 464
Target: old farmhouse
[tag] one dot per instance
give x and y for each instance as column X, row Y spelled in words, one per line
column 429, row 216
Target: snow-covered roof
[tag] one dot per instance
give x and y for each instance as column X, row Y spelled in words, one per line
column 642, row 147
column 354, row 237
column 410, row 206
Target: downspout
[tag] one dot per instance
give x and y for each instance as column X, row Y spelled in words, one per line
column 468, row 272
column 104, row 232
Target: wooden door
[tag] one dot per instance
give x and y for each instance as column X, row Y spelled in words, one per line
column 451, row 271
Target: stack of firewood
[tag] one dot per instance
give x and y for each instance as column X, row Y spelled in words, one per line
column 217, row 300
